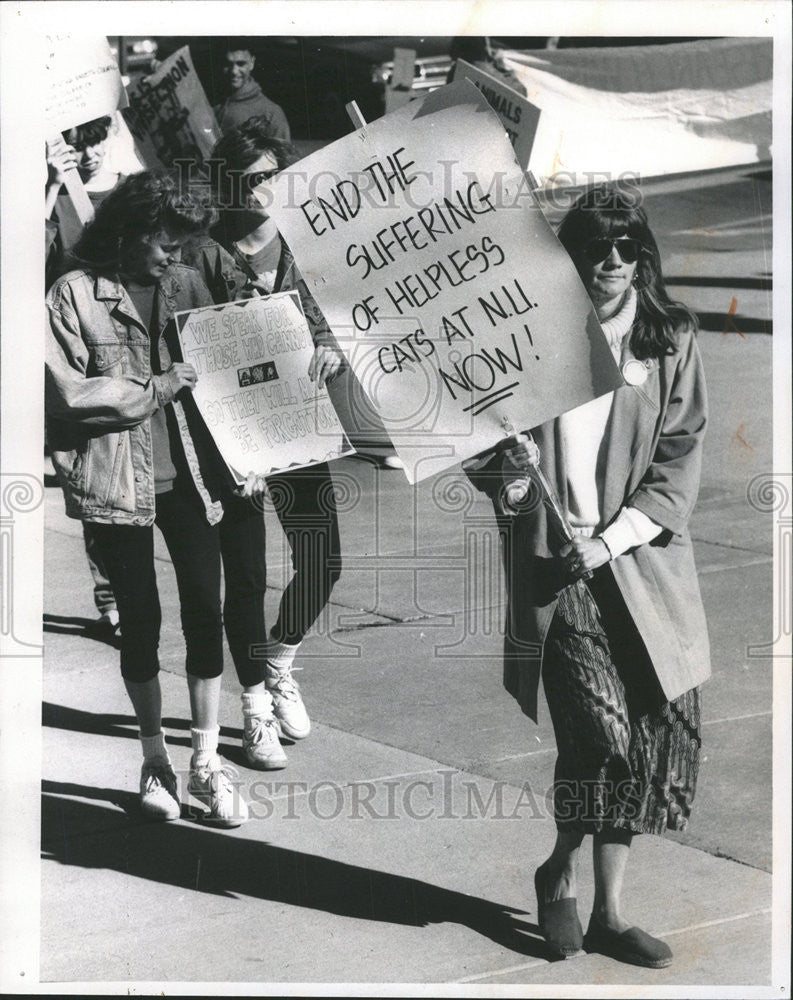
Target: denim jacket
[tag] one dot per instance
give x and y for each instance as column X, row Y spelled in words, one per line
column 100, row 392
column 221, row 273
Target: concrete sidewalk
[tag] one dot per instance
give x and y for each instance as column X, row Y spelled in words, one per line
column 399, row 844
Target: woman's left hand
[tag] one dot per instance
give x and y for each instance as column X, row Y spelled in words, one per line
column 254, row 486
column 324, row 365
column 582, row 555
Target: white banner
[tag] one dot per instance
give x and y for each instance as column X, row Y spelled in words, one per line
column 648, row 110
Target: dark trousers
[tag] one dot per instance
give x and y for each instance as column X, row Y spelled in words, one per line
column 196, row 549
column 104, row 599
column 305, row 502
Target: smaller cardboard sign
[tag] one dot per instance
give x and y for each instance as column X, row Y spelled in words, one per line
column 519, row 117
column 253, row 389
column 169, row 115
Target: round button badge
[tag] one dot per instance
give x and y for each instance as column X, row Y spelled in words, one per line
column 635, row 372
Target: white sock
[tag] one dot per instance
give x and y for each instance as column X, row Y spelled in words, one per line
column 280, row 656
column 256, row 704
column 154, row 748
column 205, row 745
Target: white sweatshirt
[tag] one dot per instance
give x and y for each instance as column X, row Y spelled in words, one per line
column 585, row 445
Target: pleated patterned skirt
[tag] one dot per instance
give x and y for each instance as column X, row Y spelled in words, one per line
column 627, row 758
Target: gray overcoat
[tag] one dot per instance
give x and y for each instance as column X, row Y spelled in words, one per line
column 651, row 460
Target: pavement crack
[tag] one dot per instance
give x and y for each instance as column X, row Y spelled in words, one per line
column 732, row 547
column 723, row 855
column 391, row 620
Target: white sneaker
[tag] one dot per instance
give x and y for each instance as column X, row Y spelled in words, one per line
column 287, row 703
column 260, row 742
column 109, row 620
column 212, row 786
column 159, row 798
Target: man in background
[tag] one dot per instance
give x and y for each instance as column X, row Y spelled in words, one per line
column 245, row 98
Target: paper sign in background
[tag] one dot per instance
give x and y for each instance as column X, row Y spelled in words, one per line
column 82, row 81
column 253, row 389
column 458, row 309
column 169, row 114
column 519, row 117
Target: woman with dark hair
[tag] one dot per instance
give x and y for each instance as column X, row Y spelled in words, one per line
column 131, row 451
column 613, row 619
column 304, row 499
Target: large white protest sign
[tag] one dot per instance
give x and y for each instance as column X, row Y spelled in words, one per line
column 82, row 81
column 519, row 117
column 459, row 311
column 169, row 115
column 253, row 389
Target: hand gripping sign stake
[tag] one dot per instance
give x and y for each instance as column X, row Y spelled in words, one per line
column 549, row 497
column 76, row 189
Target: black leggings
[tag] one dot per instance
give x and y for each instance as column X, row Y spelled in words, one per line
column 196, row 549
column 305, row 503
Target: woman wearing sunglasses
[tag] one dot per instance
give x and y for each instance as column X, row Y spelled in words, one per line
column 613, row 621
column 245, row 158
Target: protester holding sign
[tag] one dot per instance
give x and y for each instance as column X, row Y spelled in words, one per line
column 131, row 451
column 82, row 147
column 612, row 621
column 304, row 499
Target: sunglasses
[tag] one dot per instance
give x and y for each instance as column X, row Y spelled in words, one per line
column 252, row 181
column 598, row 249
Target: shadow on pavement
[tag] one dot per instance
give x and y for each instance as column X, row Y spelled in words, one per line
column 719, row 322
column 88, row 628
column 191, row 857
column 708, row 281
column 112, row 724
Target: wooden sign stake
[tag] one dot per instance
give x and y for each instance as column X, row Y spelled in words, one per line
column 356, row 117
column 73, row 183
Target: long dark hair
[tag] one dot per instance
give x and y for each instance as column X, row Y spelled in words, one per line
column 141, row 206
column 612, row 210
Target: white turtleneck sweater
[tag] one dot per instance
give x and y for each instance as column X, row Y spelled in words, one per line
column 585, row 443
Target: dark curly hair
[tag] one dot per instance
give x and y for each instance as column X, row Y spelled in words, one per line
column 613, row 210
column 142, row 206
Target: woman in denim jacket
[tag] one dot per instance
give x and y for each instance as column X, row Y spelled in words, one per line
column 131, row 451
